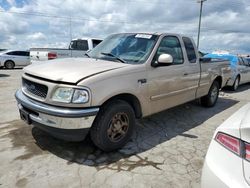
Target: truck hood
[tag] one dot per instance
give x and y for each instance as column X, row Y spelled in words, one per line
column 71, row 70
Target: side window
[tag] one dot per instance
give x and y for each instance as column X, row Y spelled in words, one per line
column 27, row 53
column 12, row 53
column 96, row 42
column 248, row 60
column 73, row 45
column 240, row 61
column 190, row 50
column 245, row 61
column 22, row 53
column 170, row 45
column 82, row 45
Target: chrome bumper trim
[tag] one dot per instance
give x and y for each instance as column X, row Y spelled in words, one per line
column 63, row 123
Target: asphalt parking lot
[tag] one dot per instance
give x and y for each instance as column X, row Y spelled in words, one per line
column 167, row 149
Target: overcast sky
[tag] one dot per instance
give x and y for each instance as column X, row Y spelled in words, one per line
column 225, row 23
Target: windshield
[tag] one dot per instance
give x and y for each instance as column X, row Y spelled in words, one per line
column 125, row 48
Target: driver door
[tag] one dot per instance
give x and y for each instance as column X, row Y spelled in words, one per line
column 167, row 84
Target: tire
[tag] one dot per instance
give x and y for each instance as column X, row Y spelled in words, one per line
column 211, row 98
column 236, row 83
column 9, row 64
column 113, row 126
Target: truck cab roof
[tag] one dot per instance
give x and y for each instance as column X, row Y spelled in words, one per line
column 86, row 38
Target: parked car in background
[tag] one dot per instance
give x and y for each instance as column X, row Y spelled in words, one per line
column 201, row 54
column 227, row 162
column 127, row 76
column 248, row 59
column 239, row 66
column 77, row 48
column 14, row 58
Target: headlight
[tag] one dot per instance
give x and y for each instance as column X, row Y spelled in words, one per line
column 63, row 95
column 80, row 96
column 68, row 95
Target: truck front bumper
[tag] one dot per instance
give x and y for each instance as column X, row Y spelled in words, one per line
column 70, row 124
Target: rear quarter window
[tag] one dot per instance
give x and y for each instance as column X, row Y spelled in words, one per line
column 190, row 50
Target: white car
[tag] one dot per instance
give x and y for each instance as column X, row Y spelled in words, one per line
column 14, row 58
column 227, row 162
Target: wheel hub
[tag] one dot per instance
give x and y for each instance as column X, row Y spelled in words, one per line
column 214, row 94
column 118, row 127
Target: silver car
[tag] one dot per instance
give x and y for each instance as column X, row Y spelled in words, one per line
column 241, row 73
column 14, row 58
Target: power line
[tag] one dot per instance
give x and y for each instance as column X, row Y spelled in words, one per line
column 116, row 22
column 106, row 21
column 68, row 18
column 76, row 18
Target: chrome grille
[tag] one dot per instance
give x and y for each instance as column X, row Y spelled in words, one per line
column 34, row 88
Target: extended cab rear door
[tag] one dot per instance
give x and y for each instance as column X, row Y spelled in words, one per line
column 192, row 70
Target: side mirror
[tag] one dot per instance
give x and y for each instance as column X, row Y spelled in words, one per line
column 165, row 59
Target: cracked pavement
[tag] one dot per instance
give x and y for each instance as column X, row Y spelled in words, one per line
column 166, row 150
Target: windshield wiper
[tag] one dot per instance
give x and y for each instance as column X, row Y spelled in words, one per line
column 112, row 55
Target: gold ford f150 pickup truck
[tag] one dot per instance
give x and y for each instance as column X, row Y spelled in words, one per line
column 127, row 76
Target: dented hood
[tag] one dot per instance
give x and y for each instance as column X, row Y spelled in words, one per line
column 71, row 70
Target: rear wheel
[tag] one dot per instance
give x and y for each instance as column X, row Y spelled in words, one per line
column 9, row 64
column 236, row 83
column 211, row 98
column 113, row 126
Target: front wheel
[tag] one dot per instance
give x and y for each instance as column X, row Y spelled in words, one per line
column 211, row 98
column 113, row 126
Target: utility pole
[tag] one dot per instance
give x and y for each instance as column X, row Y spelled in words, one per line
column 199, row 27
column 70, row 29
column 70, row 33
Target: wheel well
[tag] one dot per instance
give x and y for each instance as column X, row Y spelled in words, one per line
column 131, row 99
column 219, row 80
column 238, row 76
